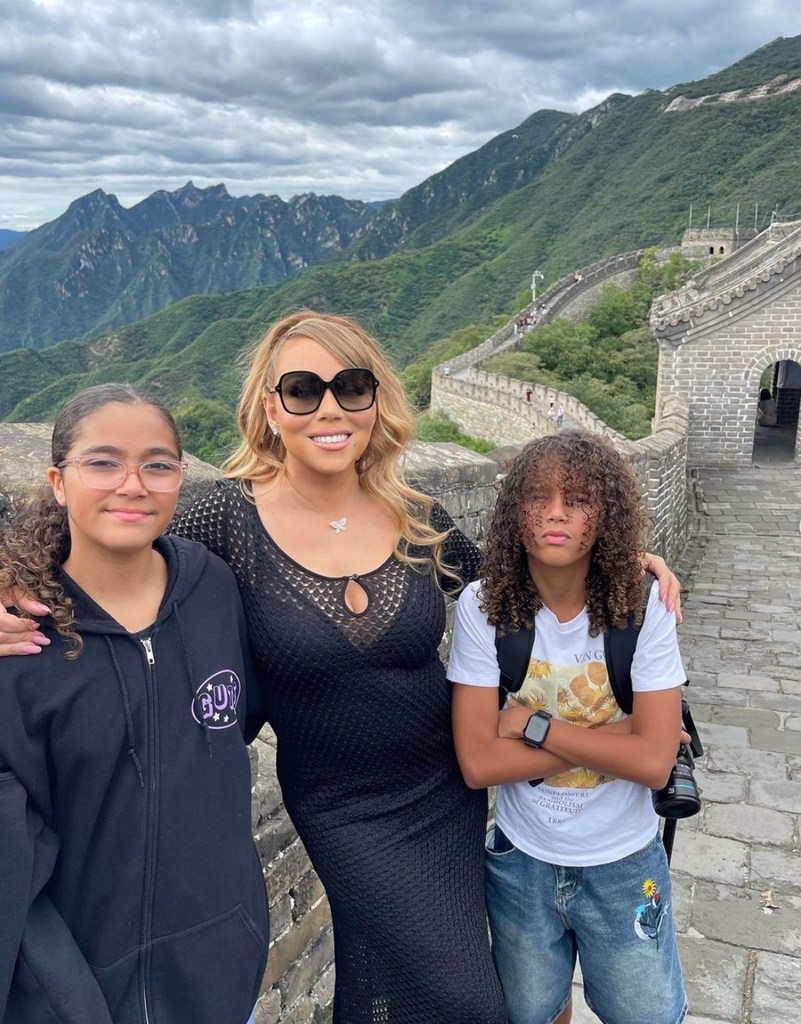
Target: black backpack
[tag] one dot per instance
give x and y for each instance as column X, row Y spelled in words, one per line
column 514, row 651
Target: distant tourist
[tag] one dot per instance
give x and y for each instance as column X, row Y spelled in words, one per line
column 560, row 416
column 766, row 409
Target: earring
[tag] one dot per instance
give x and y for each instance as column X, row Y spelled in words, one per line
column 275, row 429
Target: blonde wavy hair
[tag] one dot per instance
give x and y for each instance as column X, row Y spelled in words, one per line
column 260, row 455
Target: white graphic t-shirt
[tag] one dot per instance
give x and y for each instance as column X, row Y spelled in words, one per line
column 580, row 816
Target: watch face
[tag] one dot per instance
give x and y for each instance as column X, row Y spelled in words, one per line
column 536, row 729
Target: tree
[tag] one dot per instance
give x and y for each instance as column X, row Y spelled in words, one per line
column 209, row 429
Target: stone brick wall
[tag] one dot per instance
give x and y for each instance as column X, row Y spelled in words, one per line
column 505, row 411
column 716, row 359
column 496, row 408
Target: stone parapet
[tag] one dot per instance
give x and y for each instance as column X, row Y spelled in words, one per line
column 511, row 412
column 504, row 410
column 569, row 296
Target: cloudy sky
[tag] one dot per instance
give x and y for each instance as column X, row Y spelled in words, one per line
column 363, row 98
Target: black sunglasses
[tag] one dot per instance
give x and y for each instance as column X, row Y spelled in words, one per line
column 301, row 391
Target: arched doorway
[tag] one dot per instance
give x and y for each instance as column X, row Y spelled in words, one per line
column 776, row 413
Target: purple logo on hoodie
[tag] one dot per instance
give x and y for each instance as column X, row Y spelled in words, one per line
column 216, row 699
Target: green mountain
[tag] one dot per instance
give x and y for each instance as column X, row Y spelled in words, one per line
column 100, row 266
column 555, row 194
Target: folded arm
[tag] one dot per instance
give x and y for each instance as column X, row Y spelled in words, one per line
column 645, row 754
column 489, row 744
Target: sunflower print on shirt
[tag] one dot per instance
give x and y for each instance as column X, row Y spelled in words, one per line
column 578, row 694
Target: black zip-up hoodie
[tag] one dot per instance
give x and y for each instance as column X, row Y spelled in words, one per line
column 130, row 887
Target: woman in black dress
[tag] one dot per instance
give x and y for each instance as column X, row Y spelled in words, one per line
column 340, row 566
column 342, row 569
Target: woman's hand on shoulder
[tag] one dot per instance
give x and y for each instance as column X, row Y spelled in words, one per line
column 669, row 585
column 20, row 635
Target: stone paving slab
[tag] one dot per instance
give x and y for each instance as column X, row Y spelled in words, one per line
column 716, row 976
column 742, row 650
column 777, row 984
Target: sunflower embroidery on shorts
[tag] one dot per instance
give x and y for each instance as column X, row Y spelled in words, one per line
column 648, row 916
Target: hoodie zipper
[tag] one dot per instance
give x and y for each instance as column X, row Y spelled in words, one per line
column 147, row 644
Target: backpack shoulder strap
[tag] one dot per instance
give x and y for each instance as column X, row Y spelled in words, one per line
column 619, row 647
column 514, row 652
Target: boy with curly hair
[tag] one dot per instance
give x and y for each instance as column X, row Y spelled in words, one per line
column 574, row 864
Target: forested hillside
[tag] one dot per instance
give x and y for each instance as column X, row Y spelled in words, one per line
column 101, row 266
column 558, row 192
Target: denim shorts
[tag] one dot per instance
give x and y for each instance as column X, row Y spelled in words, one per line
column 615, row 917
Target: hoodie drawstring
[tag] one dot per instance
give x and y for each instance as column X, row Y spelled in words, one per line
column 126, row 704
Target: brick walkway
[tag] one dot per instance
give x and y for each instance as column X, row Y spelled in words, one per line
column 736, row 866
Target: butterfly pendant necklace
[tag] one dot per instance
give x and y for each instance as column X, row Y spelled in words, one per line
column 339, row 525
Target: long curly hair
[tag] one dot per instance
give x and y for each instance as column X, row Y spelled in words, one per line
column 37, row 540
column 260, row 455
column 587, row 468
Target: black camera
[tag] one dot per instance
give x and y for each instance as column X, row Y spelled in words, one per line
column 680, row 797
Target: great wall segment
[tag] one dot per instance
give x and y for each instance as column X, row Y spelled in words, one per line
column 716, row 337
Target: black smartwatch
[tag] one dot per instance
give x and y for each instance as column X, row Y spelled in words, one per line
column 537, row 729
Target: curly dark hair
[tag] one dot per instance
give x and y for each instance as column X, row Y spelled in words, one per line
column 587, row 468
column 37, row 541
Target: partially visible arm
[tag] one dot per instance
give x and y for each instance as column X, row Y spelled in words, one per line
column 669, row 585
column 43, row 974
column 486, row 758
column 255, row 698
column 648, row 753
column 18, row 634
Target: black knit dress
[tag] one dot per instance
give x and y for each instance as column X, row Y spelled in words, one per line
column 361, row 710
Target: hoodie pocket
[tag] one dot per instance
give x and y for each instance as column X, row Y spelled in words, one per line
column 209, row 974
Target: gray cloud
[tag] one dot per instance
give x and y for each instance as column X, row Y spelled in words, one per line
column 361, row 99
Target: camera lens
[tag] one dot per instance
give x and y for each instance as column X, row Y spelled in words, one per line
column 680, row 797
